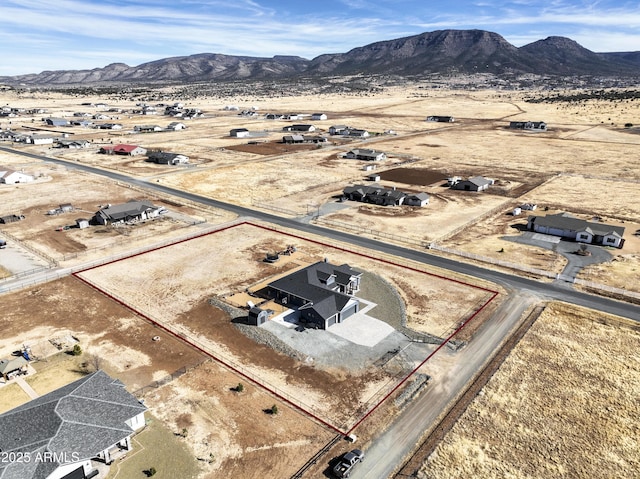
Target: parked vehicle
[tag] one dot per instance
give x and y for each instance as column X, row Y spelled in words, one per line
column 347, row 463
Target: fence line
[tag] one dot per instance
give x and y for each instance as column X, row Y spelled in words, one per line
column 46, row 257
column 166, row 379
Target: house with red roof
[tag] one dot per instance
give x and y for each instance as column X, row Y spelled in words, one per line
column 122, row 149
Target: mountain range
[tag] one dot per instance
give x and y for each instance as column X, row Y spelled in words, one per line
column 438, row 52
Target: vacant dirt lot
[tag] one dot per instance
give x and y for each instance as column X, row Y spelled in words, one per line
column 564, row 404
column 172, row 285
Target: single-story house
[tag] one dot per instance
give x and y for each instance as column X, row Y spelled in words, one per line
column 528, row 125
column 337, row 129
column 441, row 119
column 567, row 226
column 147, row 128
column 176, row 125
column 308, row 128
column 291, row 139
column 109, row 126
column 126, row 212
column 56, row 122
column 9, row 368
column 475, row 183
column 322, row 293
column 167, row 158
column 122, row 149
column 318, row 116
column 239, row 133
column 10, row 219
column 62, row 431
column 374, row 177
column 273, row 116
column 72, row 144
column 416, row 199
column 377, row 195
column 355, row 133
column 40, row 139
column 10, row 177
column 366, row 154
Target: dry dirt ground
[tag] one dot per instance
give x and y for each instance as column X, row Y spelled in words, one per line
column 564, row 404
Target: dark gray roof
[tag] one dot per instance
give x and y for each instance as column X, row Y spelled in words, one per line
column 125, row 210
column 567, row 222
column 310, row 283
column 80, row 419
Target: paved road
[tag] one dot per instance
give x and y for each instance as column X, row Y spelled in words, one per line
column 549, row 290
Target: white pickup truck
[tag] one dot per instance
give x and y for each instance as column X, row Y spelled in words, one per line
column 347, row 463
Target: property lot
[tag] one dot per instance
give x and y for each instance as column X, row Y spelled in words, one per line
column 173, row 286
column 585, row 427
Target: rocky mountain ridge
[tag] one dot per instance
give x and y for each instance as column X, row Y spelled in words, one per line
column 442, row 51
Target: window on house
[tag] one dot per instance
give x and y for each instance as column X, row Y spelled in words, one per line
column 610, row 240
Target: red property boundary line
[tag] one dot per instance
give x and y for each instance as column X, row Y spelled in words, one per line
column 255, row 382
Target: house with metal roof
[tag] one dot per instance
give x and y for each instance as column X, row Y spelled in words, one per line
column 475, row 183
column 582, row 231
column 131, row 211
column 528, row 125
column 123, row 149
column 167, row 158
column 322, row 294
column 57, row 435
column 12, row 367
column 441, row 119
column 10, row 177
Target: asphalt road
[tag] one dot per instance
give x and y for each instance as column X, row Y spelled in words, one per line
column 557, row 291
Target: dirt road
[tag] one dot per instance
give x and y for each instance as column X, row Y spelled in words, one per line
column 404, row 435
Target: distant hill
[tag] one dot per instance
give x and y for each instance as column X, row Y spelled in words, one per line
column 443, row 51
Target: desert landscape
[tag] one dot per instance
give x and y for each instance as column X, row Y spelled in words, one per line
column 162, row 304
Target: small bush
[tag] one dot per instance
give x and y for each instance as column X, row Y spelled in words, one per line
column 77, row 350
column 628, row 125
column 150, row 472
column 274, row 409
column 239, row 388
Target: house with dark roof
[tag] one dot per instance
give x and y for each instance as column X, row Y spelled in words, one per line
column 366, row 154
column 167, row 158
column 302, row 128
column 131, row 211
column 379, row 195
column 56, row 122
column 322, row 294
column 293, row 139
column 528, row 125
column 441, row 119
column 582, row 231
column 475, row 183
column 57, row 435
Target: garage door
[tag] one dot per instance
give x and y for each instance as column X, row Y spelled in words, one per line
column 350, row 311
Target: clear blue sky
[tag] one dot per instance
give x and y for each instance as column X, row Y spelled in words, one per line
column 38, row 35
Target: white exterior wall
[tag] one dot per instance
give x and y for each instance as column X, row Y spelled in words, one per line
column 611, row 240
column 68, row 468
column 136, row 422
column 584, row 237
column 16, row 177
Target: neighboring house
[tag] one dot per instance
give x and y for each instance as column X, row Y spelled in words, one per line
column 355, row 133
column 528, row 125
column 318, row 116
column 9, row 368
column 366, row 154
column 416, row 199
column 72, row 144
column 122, row 149
column 109, row 126
column 40, row 140
column 147, row 128
column 303, row 128
column 10, row 177
column 337, row 129
column 10, row 219
column 176, row 125
column 376, row 195
column 239, row 133
column 62, row 431
column 56, row 122
column 476, row 183
column 374, row 177
column 292, row 139
column 441, row 119
column 321, row 293
column 167, row 158
column 131, row 211
column 567, row 226
column 273, row 116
